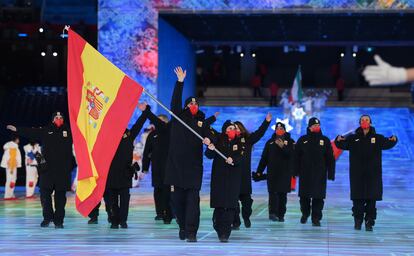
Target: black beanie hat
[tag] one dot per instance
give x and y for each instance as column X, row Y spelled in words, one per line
column 313, row 121
column 279, row 124
column 225, row 125
column 57, row 113
column 190, row 99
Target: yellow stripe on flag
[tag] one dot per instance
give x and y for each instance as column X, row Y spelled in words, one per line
column 102, row 74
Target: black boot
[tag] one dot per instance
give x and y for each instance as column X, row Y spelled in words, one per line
column 247, row 222
column 236, row 223
column 223, row 239
column 316, row 223
column 369, row 224
column 304, row 219
column 124, row 225
column 273, row 217
column 181, row 234
column 59, row 226
column 191, row 238
column 93, row 220
column 158, row 217
column 45, row 223
column 357, row 224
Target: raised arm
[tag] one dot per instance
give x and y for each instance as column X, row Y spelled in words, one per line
column 177, row 96
column 260, row 132
column 211, row 120
column 158, row 123
column 136, row 128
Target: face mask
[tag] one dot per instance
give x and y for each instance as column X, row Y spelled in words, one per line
column 231, row 134
column 365, row 124
column 238, row 133
column 58, row 122
column 193, row 109
column 280, row 132
column 316, row 129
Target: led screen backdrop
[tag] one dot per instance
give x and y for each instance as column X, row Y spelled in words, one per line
column 128, row 29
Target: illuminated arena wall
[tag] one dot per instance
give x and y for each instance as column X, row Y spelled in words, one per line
column 131, row 36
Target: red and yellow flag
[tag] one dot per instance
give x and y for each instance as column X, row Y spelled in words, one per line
column 101, row 101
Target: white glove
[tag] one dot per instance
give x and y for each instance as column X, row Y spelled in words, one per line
column 384, row 74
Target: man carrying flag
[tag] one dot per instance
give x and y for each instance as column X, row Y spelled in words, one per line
column 101, row 101
column 185, row 160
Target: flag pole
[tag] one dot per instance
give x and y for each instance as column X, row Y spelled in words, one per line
column 181, row 121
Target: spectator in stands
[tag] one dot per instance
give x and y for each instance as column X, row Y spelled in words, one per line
column 263, row 73
column 273, row 88
column 256, row 81
column 340, row 87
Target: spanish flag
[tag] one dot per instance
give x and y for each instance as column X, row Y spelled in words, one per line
column 101, row 102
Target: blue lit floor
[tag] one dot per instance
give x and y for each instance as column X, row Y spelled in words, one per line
column 393, row 234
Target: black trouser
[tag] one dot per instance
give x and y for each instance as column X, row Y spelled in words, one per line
column 368, row 207
column 119, row 205
column 95, row 212
column 277, row 204
column 316, row 204
column 157, row 200
column 186, row 203
column 222, row 220
column 246, row 209
column 273, row 101
column 162, row 199
column 49, row 214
